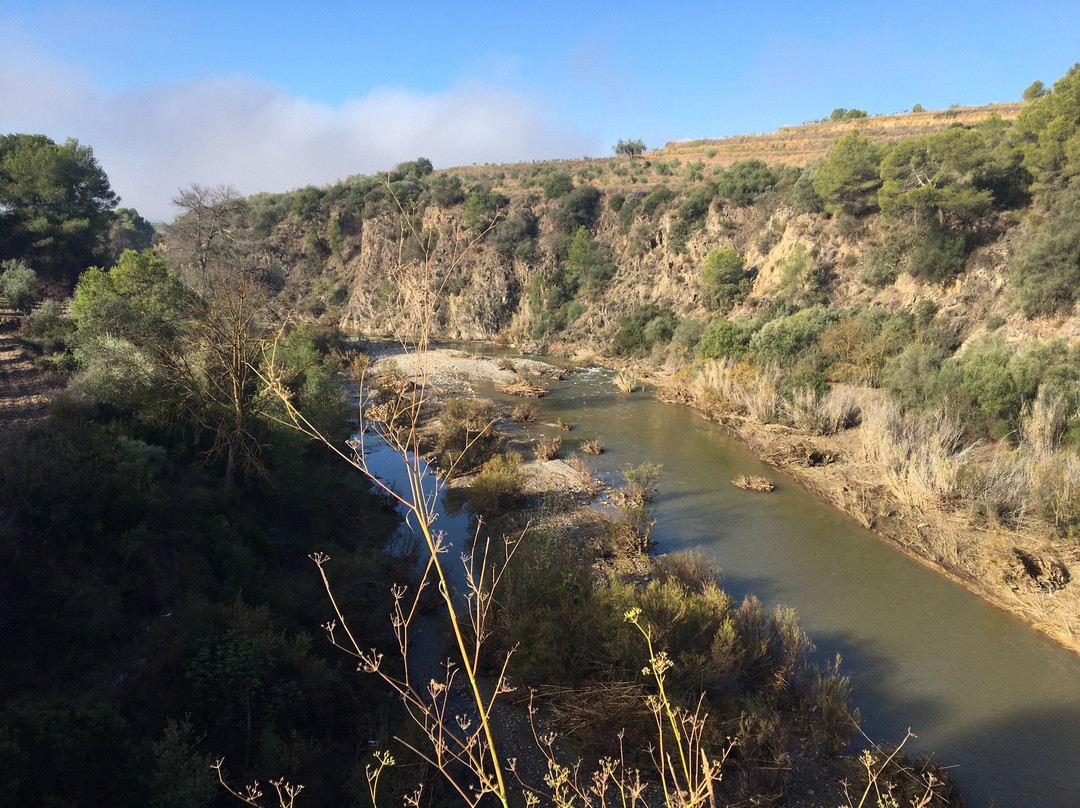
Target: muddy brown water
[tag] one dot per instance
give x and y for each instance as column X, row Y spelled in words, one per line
column 986, row 694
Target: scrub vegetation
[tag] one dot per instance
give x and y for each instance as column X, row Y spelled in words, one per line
column 901, row 307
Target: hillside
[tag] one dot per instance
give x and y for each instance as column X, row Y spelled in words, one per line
column 925, row 265
column 803, row 144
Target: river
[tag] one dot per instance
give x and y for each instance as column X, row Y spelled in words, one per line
column 992, row 698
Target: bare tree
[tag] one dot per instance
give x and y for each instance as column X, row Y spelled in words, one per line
column 210, row 247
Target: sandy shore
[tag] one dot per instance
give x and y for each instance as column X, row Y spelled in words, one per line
column 450, row 370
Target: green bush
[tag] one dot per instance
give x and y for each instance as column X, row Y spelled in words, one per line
column 1045, row 273
column 745, row 181
column 691, row 214
column 686, row 336
column 515, row 237
column 447, row 190
column 498, row 485
column 936, row 255
column 724, row 279
column 557, row 184
column 726, row 338
column 783, row 339
column 579, row 208
column 18, row 283
column 912, row 376
column 481, row 207
column 657, row 200
column 648, row 325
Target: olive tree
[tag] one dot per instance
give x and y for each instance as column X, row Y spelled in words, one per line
column 630, row 148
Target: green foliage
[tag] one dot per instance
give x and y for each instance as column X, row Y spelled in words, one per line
column 1034, row 91
column 885, row 262
column 935, row 255
column 55, row 203
column 842, row 114
column 56, row 751
column 630, row 148
column 305, row 202
column 515, row 236
column 912, row 376
column 726, row 338
column 447, row 190
column 266, row 211
column 647, row 326
column 686, row 336
column 49, row 325
column 498, row 485
column 981, row 388
column 557, row 184
column 588, row 265
column 413, row 169
column 18, row 283
column 1045, row 272
column 129, row 231
column 800, row 282
column 1048, row 132
column 579, row 208
column 724, row 279
column 783, row 339
column 935, row 179
column 745, row 181
column 139, row 299
column 482, row 206
column 570, row 630
column 917, row 108
column 656, row 201
column 334, row 237
column 849, row 178
column 690, row 215
column 180, row 775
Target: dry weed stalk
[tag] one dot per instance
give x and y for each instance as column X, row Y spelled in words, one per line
column 881, row 790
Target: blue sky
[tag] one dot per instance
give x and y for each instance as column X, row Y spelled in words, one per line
column 273, row 96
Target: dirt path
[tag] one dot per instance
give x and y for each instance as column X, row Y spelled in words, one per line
column 25, row 390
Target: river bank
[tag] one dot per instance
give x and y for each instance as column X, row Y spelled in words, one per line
column 1024, row 572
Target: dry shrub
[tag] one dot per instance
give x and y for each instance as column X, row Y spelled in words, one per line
column 723, row 385
column 918, row 456
column 524, row 413
column 642, row 484
column 760, row 390
column 753, row 483
column 391, row 380
column 822, row 414
column 1054, row 482
column 585, row 476
column 591, row 447
column 1042, row 424
column 548, row 448
column 562, row 426
column 625, row 382
column 505, row 364
column 524, row 388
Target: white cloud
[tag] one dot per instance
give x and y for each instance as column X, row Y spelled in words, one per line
column 235, row 130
